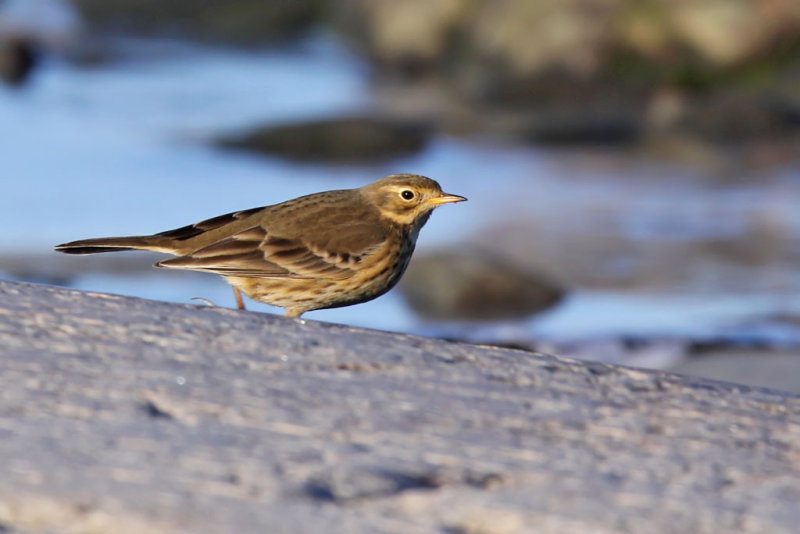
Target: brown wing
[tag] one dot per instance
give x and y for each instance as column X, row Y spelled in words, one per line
column 193, row 230
column 256, row 252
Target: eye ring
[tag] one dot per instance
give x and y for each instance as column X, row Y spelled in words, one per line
column 407, row 194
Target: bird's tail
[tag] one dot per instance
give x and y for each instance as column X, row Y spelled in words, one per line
column 115, row 244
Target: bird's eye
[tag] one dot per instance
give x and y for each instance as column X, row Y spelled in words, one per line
column 407, row 194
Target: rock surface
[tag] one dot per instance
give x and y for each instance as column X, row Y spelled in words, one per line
column 492, row 45
column 588, row 72
column 125, row 415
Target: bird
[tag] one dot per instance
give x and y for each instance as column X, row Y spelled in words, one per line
column 323, row 250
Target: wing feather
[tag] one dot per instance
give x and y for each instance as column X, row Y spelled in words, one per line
column 193, row 230
column 254, row 252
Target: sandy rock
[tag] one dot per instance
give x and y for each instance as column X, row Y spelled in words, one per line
column 725, row 33
column 563, row 59
column 126, row 415
column 407, row 35
column 578, row 37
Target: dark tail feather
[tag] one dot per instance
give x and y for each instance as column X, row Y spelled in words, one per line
column 114, row 244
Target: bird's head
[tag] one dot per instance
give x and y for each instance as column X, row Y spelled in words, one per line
column 407, row 199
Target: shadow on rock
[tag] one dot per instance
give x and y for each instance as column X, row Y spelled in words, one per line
column 474, row 285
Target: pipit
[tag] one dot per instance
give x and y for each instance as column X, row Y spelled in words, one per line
column 325, row 250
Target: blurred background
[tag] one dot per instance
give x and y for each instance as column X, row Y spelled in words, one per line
column 632, row 165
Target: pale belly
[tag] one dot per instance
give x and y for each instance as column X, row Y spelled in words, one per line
column 299, row 295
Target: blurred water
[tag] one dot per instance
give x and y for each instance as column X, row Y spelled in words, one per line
column 53, row 22
column 121, row 149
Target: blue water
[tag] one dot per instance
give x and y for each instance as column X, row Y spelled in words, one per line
column 122, row 149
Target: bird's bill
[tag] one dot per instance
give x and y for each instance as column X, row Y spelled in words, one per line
column 446, row 199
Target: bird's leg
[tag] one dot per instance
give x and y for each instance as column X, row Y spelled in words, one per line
column 292, row 313
column 239, row 301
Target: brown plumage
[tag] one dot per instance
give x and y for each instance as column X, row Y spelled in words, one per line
column 325, row 250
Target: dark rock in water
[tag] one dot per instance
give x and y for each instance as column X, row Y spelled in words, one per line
column 785, row 99
column 349, row 139
column 237, row 21
column 475, row 286
column 576, row 124
column 734, row 116
column 17, row 59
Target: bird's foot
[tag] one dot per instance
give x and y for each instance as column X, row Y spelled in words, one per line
column 239, row 300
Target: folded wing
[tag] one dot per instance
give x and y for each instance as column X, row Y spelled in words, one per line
column 255, row 252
